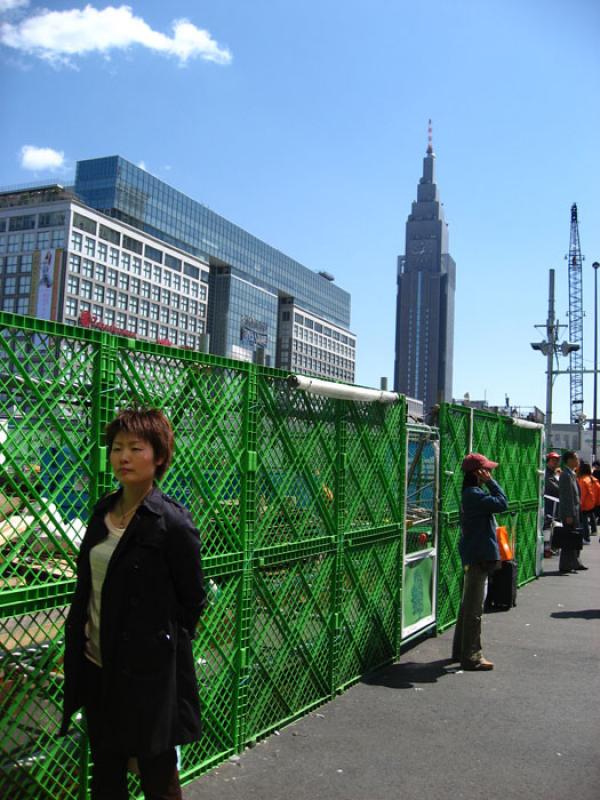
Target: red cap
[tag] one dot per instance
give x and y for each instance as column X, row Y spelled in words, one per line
column 552, row 455
column 476, row 461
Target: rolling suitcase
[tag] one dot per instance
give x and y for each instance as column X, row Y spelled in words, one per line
column 502, row 587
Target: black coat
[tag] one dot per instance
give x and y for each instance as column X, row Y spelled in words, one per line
column 152, row 597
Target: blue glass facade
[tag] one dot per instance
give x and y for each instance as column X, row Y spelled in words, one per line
column 120, row 189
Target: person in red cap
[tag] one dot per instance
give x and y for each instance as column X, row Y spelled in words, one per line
column 480, row 556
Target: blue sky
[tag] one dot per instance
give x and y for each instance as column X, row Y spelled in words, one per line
column 306, row 123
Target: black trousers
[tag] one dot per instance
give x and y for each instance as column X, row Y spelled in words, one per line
column 158, row 774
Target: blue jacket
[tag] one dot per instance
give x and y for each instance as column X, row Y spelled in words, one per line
column 478, row 540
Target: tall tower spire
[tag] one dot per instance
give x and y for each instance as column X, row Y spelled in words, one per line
column 425, row 300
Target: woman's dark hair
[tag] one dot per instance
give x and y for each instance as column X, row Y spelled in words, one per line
column 584, row 468
column 470, row 479
column 152, row 426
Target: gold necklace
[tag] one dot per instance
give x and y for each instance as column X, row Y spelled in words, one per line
column 124, row 515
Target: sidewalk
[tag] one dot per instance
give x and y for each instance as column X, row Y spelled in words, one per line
column 423, row 729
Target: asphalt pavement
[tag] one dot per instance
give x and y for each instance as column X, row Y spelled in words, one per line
column 424, row 729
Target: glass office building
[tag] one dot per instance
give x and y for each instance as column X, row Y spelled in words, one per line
column 249, row 280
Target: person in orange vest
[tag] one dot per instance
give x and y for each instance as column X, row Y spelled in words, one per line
column 589, row 489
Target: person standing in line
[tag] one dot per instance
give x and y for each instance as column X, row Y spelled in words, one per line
column 551, row 510
column 138, row 597
column 479, row 553
column 588, row 492
column 570, row 514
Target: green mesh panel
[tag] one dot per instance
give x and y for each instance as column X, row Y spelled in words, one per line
column 295, row 480
column 369, row 609
column 290, row 655
column 34, row 762
column 450, row 574
column 374, row 465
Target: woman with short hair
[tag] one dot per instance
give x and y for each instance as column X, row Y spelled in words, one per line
column 138, row 598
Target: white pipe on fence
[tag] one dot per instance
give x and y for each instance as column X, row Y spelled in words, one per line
column 341, row 391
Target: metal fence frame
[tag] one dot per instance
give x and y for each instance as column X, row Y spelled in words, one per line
column 301, row 503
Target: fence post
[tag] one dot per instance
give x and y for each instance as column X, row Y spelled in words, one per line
column 339, row 562
column 247, row 524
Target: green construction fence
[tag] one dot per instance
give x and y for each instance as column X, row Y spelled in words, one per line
column 300, row 500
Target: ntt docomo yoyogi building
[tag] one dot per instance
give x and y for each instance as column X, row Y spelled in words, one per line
column 123, row 251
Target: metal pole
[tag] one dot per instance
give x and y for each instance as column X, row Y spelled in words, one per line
column 595, row 265
column 551, row 339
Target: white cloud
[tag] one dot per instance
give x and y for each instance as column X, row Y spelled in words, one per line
column 41, row 158
column 57, row 36
column 9, row 5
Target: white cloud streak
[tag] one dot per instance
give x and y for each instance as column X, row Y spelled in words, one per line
column 58, row 36
column 41, row 158
column 10, row 5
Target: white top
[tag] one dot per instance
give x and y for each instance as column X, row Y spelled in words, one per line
column 100, row 556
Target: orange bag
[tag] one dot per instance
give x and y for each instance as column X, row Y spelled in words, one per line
column 506, row 552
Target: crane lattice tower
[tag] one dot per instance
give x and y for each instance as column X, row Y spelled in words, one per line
column 575, row 318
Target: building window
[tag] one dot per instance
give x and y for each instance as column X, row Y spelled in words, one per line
column 154, row 312
column 185, row 303
column 153, row 330
column 112, row 277
column 74, row 263
column 28, row 242
column 103, row 252
column 10, row 285
column 147, row 270
column 156, row 273
column 137, row 266
column 167, row 278
column 123, row 301
column 132, row 244
column 111, row 297
column 174, row 300
column 177, row 283
column 98, row 293
column 25, row 284
column 134, row 305
column 58, row 239
column 22, row 223
column 73, row 285
column 134, row 284
column 125, row 261
column 203, row 293
column 166, row 297
column 100, row 272
column 153, row 253
column 123, row 282
column 90, row 247
column 76, row 241
column 87, row 268
column 155, row 293
column 145, row 289
column 114, row 257
column 22, row 305
column 86, row 290
column 110, row 234
column 121, row 320
column 109, row 316
column 174, row 263
column 44, row 241
column 97, row 311
column 194, row 291
column 164, row 315
column 132, row 325
column 84, row 223
column 143, row 327
column 71, row 307
column 144, row 308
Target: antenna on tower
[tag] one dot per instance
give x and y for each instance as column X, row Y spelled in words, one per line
column 575, row 318
column 429, row 139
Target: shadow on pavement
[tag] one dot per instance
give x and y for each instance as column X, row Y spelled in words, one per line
column 588, row 613
column 406, row 675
